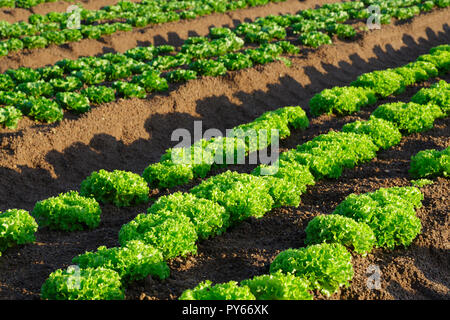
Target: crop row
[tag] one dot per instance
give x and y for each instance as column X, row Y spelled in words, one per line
column 58, row 28
column 370, row 86
column 43, row 93
column 25, row 3
column 174, row 223
column 384, row 218
column 431, row 163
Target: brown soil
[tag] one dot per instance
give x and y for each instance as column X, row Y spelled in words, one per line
column 38, row 161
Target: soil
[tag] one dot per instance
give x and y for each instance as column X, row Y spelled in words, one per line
column 38, row 161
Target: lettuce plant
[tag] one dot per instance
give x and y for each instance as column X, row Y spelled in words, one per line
column 83, row 284
column 345, row 31
column 134, row 261
column 242, row 195
column 91, row 32
column 314, row 39
column 341, row 100
column 72, row 35
column 11, row 98
column 235, row 61
column 90, row 76
column 121, row 188
column 424, row 70
column 181, row 75
column 218, row 33
column 208, row 217
column 33, row 42
column 6, row 82
column 118, row 70
column 167, row 174
column 23, row 74
column 438, row 94
column 383, row 83
column 171, row 233
column 430, row 163
column 151, row 81
column 279, row 286
column 339, row 229
column 442, row 47
column 73, row 101
column 129, row 90
column 14, row 44
column 99, row 94
column 36, row 89
column 54, row 37
column 52, row 72
column 16, row 227
column 10, row 116
column 286, row 181
column 441, row 59
column 411, row 75
column 327, row 266
column 67, row 84
column 420, row 183
column 307, row 26
column 223, row 291
column 141, row 53
column 42, row 109
column 288, row 47
column 409, row 117
column 68, row 212
column 208, row 67
column 390, row 213
column 383, row 133
column 8, row 3
column 328, row 154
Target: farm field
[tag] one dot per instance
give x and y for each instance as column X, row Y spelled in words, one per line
column 50, row 146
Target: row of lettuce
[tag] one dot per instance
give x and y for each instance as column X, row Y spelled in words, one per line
column 62, row 27
column 75, row 85
column 26, row 4
column 384, row 218
column 175, row 223
column 55, row 28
